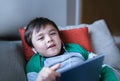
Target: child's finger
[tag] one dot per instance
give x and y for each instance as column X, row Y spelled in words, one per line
column 55, row 67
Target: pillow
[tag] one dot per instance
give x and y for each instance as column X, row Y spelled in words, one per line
column 27, row 50
column 102, row 42
column 78, row 35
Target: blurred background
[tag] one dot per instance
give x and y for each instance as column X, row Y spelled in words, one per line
column 105, row 9
column 17, row 13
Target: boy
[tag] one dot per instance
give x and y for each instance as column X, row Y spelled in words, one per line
column 52, row 56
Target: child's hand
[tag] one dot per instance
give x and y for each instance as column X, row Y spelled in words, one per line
column 48, row 74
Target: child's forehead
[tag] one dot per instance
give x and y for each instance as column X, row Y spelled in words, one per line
column 47, row 27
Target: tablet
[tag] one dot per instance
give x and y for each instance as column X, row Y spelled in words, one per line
column 87, row 71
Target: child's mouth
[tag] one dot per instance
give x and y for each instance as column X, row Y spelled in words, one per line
column 51, row 46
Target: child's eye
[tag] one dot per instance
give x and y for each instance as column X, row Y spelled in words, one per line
column 41, row 38
column 53, row 33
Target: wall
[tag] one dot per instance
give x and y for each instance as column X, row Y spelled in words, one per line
column 17, row 13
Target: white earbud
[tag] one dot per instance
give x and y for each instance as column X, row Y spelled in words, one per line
column 34, row 50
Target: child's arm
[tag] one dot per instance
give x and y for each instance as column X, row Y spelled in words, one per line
column 31, row 76
column 107, row 74
column 46, row 74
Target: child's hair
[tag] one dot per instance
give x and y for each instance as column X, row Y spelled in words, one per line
column 36, row 24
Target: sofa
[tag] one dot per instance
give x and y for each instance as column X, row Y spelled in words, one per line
column 12, row 57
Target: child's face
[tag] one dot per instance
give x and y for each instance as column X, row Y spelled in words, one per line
column 47, row 41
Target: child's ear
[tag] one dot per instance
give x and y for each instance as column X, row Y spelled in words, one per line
column 33, row 49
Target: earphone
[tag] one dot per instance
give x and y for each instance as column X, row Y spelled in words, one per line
column 70, row 65
column 33, row 49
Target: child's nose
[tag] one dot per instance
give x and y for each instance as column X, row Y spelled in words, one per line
column 48, row 38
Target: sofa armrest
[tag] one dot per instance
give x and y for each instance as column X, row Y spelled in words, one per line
column 12, row 61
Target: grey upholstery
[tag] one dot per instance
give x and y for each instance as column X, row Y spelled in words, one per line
column 12, row 62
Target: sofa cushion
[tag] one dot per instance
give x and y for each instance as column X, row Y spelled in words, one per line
column 12, row 61
column 78, row 35
column 27, row 50
column 103, row 43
